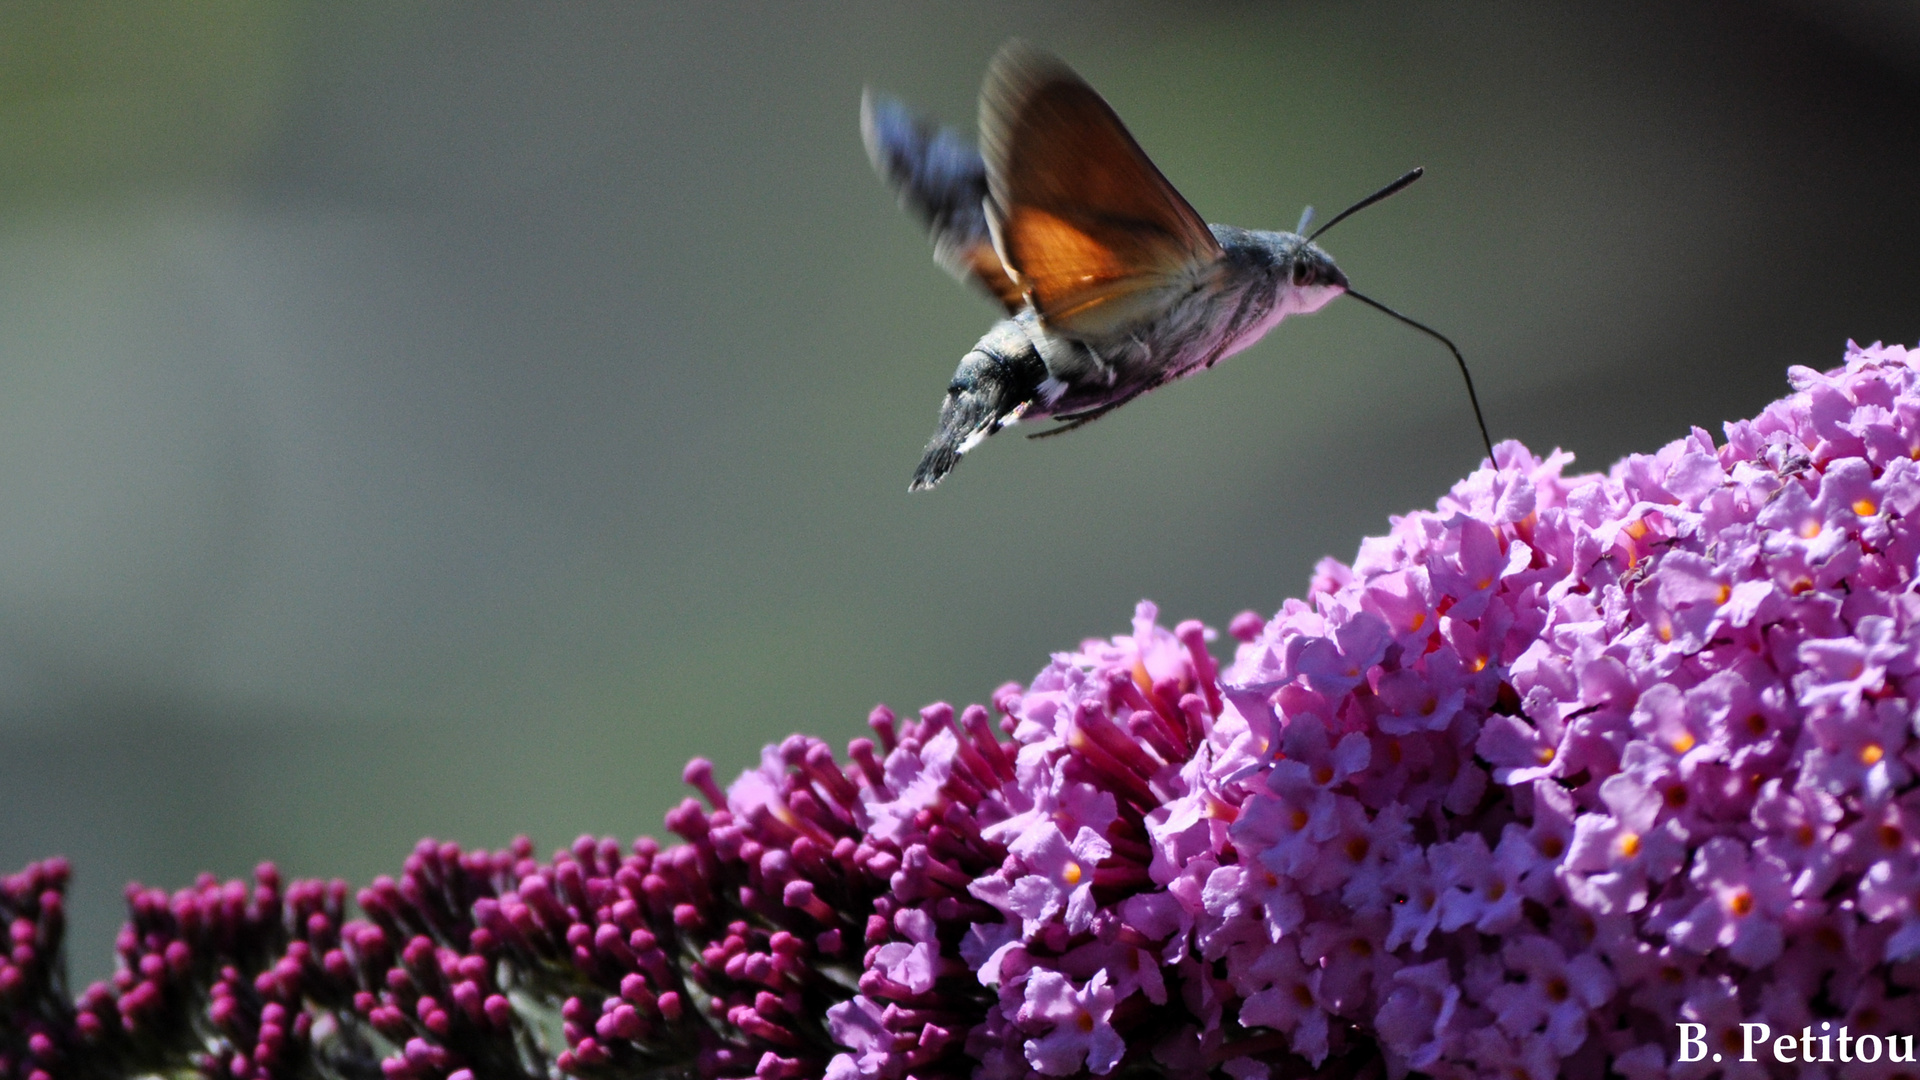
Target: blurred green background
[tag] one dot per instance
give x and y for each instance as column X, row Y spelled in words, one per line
column 446, row 419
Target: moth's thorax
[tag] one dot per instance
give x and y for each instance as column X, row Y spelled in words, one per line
column 1292, row 275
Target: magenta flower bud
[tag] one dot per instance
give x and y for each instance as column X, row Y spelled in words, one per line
column 388, row 1020
column 621, row 1023
column 699, row 775
column 633, row 988
column 579, row 935
column 370, row 940
column 423, row 1055
column 571, row 882
column 536, row 892
column 139, row 999
column 418, row 954
column 336, row 966
column 590, row 1054
column 881, row 720
column 799, row 894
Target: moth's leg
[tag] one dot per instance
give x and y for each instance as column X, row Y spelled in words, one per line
column 1078, row 420
column 1071, row 421
column 1073, row 361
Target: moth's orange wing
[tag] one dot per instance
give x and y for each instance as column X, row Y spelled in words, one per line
column 1096, row 237
column 980, row 263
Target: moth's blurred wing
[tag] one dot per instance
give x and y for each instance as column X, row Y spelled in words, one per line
column 1098, row 239
column 940, row 178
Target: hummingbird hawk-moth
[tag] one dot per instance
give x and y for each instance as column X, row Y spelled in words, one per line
column 1112, row 284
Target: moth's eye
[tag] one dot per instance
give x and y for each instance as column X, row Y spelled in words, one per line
column 1303, row 273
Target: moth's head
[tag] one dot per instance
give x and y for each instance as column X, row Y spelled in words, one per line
column 1308, row 267
column 1311, row 281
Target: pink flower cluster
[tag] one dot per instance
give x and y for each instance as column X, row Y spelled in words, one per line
column 1571, row 760
column 35, row 1019
column 1546, row 772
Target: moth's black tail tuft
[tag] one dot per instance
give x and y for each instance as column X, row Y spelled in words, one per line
column 991, row 387
column 941, row 457
column 966, row 417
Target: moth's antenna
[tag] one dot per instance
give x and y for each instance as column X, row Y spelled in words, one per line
column 1306, row 219
column 1420, row 326
column 1391, row 189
